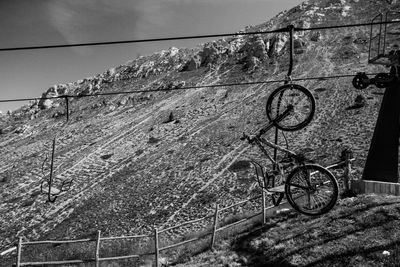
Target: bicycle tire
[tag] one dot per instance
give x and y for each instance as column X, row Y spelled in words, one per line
column 283, row 98
column 316, row 197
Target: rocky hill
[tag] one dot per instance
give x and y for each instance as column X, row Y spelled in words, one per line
column 153, row 159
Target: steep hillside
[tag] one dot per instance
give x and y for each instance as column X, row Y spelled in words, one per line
column 153, row 159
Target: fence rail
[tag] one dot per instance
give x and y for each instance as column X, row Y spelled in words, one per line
column 157, row 249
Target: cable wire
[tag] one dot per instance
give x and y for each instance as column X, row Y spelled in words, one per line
column 142, row 40
column 286, row 29
column 182, row 88
column 345, row 26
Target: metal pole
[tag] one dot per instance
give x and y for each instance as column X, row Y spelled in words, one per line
column 275, row 167
column 291, row 47
column 51, row 171
column 347, row 172
column 156, row 247
column 19, row 248
column 214, row 226
column 264, row 221
column 67, row 106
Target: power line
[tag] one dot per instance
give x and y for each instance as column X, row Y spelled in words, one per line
column 182, row 88
column 194, row 36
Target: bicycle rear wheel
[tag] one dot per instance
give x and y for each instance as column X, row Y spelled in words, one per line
column 311, row 189
column 298, row 100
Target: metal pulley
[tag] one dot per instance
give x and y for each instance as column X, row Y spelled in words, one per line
column 383, row 80
column 361, row 81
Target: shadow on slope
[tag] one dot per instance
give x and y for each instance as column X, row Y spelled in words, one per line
column 355, row 234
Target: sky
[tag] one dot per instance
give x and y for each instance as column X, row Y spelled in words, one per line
column 29, row 73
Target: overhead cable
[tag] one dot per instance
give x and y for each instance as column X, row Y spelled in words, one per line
column 193, row 36
column 182, row 88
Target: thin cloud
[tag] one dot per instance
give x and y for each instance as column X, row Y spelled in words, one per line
column 89, row 20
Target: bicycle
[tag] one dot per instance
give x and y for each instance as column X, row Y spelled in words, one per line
column 309, row 188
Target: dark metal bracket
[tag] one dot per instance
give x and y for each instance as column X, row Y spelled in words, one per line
column 67, row 106
column 287, row 80
column 50, row 190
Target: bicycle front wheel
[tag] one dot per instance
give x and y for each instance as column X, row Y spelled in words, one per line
column 297, row 100
column 311, row 189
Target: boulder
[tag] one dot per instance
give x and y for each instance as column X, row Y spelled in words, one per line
column 88, row 89
column 21, row 129
column 315, row 36
column 258, row 48
column 6, row 130
column 61, row 89
column 299, row 46
column 193, row 64
column 52, row 92
column 45, row 103
column 252, row 63
column 177, row 85
column 209, row 54
column 277, row 43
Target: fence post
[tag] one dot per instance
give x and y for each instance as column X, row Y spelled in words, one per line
column 263, row 207
column 98, row 248
column 214, row 226
column 156, row 247
column 347, row 171
column 19, row 248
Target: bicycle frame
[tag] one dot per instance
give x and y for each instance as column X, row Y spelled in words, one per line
column 260, row 142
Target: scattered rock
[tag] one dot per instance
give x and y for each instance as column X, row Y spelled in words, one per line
column 58, row 114
column 277, row 43
column 139, row 152
column 122, row 102
column 153, row 140
column 190, row 168
column 299, row 46
column 193, row 64
column 170, row 118
column 21, row 129
column 6, row 130
column 45, row 103
column 27, row 203
column 360, row 41
column 320, row 90
column 107, row 156
column 359, row 102
column 239, row 166
column 209, row 54
column 316, row 36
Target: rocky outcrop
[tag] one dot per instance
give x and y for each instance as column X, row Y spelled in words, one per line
column 171, row 85
column 193, row 63
column 276, row 44
column 53, row 92
column 299, row 46
column 209, row 54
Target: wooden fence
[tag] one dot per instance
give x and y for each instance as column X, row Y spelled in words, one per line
column 265, row 211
